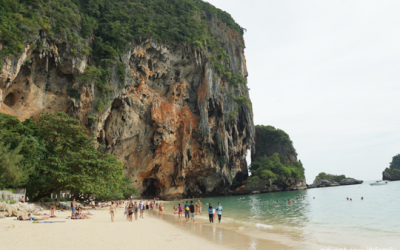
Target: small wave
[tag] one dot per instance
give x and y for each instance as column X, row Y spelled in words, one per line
column 263, row 226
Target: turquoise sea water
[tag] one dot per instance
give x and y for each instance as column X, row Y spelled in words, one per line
column 329, row 220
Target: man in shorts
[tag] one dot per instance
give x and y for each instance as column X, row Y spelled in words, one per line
column 187, row 212
column 200, row 206
column 192, row 209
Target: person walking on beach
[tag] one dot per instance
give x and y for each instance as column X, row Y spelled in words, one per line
column 135, row 209
column 219, row 211
column 211, row 213
column 179, row 210
column 141, row 206
column 113, row 210
column 200, row 206
column 130, row 211
column 192, row 211
column 187, row 211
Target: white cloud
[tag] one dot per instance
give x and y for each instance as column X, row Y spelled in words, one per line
column 326, row 72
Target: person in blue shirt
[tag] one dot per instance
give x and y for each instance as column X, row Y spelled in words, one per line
column 211, row 213
column 219, row 212
column 187, row 216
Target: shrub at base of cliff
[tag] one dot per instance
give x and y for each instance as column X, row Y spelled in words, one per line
column 64, row 158
column 393, row 172
column 272, row 170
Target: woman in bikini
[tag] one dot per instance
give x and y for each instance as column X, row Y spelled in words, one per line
column 113, row 210
column 130, row 211
column 161, row 208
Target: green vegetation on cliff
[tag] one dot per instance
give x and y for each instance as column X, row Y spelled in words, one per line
column 394, row 167
column 330, row 177
column 56, row 154
column 269, row 161
column 395, row 162
column 271, row 168
column 102, row 29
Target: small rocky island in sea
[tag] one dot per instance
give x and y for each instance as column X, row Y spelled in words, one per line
column 274, row 164
column 392, row 173
column 330, row 180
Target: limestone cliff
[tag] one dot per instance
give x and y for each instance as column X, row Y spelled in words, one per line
column 174, row 122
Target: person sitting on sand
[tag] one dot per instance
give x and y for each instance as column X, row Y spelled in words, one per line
column 22, row 200
column 80, row 217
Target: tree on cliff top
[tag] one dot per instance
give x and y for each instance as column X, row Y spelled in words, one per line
column 395, row 162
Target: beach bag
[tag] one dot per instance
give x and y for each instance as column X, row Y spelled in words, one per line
column 187, row 208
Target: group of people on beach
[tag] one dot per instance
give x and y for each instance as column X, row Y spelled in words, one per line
column 134, row 208
column 194, row 209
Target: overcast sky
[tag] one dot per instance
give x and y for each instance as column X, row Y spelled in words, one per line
column 327, row 73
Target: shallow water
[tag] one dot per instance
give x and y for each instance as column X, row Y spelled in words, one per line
column 329, row 220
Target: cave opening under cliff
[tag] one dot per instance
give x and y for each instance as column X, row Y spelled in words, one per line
column 151, row 191
column 10, row 100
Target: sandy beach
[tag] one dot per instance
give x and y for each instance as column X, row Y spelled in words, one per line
column 153, row 231
column 99, row 233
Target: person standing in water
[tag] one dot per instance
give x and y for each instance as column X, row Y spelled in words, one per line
column 113, row 210
column 192, row 209
column 187, row 216
column 179, row 210
column 219, row 211
column 200, row 206
column 161, row 208
column 211, row 213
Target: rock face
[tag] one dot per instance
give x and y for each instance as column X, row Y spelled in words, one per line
column 350, row 181
column 391, row 174
column 174, row 124
column 328, row 183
